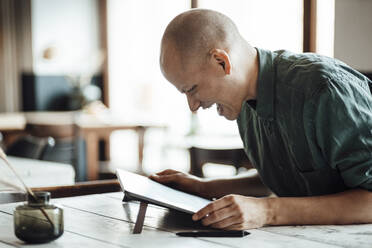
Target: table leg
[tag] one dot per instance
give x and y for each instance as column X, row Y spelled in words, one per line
column 92, row 156
column 141, row 144
column 107, row 148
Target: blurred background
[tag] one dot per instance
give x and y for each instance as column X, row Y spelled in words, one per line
column 81, row 92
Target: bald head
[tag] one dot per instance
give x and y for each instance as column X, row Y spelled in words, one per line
column 204, row 56
column 192, row 34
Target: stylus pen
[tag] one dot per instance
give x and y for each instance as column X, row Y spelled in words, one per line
column 213, row 234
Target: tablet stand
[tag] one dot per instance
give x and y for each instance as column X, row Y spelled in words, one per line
column 140, row 216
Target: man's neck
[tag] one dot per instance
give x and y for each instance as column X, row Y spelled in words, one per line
column 252, row 68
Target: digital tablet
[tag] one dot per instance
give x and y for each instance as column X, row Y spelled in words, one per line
column 142, row 188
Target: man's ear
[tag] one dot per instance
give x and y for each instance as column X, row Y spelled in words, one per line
column 221, row 57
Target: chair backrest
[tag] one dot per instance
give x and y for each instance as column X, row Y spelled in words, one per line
column 62, row 151
column 28, row 147
column 200, row 156
column 61, row 147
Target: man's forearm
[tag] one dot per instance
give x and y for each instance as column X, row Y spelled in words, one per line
column 349, row 207
column 249, row 185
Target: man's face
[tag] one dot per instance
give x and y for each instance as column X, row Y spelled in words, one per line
column 204, row 86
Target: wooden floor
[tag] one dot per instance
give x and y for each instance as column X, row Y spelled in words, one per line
column 103, row 221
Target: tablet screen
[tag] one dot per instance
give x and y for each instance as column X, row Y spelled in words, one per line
column 143, row 188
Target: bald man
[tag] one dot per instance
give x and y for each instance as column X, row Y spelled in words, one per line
column 305, row 121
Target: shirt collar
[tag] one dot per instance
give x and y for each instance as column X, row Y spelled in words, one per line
column 266, row 88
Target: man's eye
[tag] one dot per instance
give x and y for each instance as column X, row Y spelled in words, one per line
column 192, row 88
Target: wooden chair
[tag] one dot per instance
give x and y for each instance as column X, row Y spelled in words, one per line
column 28, row 147
column 231, row 156
column 64, row 148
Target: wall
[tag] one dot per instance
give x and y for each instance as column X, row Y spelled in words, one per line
column 353, row 33
column 71, row 28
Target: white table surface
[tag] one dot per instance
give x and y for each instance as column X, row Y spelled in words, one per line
column 104, row 221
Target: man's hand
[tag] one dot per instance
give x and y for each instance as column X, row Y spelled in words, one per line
column 234, row 212
column 179, row 180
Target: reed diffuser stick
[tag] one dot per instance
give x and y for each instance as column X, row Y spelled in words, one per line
column 28, row 190
column 12, row 185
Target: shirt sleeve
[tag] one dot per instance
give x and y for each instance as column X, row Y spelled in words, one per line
column 343, row 129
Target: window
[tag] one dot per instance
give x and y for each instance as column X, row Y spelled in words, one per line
column 138, row 90
column 137, row 86
column 325, row 27
column 267, row 24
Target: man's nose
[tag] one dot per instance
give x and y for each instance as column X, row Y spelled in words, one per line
column 193, row 104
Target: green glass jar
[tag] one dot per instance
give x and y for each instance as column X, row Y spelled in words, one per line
column 31, row 222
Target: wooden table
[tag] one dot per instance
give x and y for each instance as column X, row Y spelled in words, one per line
column 11, row 124
column 12, row 121
column 94, row 129
column 102, row 220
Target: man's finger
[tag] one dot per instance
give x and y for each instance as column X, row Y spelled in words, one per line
column 164, row 178
column 235, row 227
column 167, row 172
column 210, row 208
column 218, row 216
column 231, row 221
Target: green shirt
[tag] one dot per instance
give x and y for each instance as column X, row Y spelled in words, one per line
column 309, row 132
